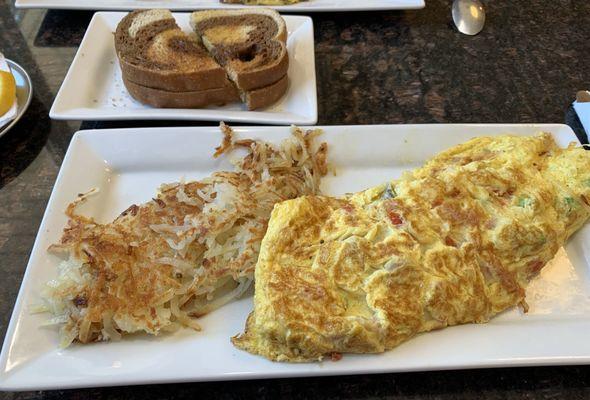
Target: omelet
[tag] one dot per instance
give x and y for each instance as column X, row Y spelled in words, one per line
column 453, row 242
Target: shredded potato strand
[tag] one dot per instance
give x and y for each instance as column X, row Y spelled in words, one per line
column 189, row 250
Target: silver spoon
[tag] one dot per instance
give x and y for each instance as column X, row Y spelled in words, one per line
column 469, row 16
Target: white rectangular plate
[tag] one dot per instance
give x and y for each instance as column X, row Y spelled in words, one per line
column 190, row 5
column 129, row 164
column 93, row 88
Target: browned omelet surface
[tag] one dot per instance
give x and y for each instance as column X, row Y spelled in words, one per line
column 453, row 242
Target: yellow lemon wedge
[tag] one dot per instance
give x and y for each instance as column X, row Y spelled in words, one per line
column 7, row 91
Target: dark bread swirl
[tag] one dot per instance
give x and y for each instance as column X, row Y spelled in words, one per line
column 250, row 44
column 189, row 99
column 154, row 52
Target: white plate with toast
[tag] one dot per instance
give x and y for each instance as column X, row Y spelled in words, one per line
column 187, row 5
column 93, row 88
column 127, row 165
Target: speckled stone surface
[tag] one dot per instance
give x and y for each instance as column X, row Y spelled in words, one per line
column 63, row 28
column 372, row 68
column 413, row 67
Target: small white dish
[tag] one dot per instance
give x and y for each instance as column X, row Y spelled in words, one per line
column 190, row 5
column 24, row 94
column 93, row 88
column 129, row 164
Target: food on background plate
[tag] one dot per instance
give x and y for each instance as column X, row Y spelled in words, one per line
column 251, row 45
column 453, row 242
column 192, row 248
column 163, row 66
column 262, row 2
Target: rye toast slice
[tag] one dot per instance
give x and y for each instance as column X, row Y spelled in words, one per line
column 190, row 99
column 249, row 43
column 154, row 52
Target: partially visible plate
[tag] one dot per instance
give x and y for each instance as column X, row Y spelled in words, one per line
column 129, row 164
column 24, row 94
column 188, row 5
column 93, row 88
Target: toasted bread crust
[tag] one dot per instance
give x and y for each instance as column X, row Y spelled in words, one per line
column 265, row 96
column 173, row 81
column 190, row 99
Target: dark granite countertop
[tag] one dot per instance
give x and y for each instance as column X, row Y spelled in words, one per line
column 372, row 68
